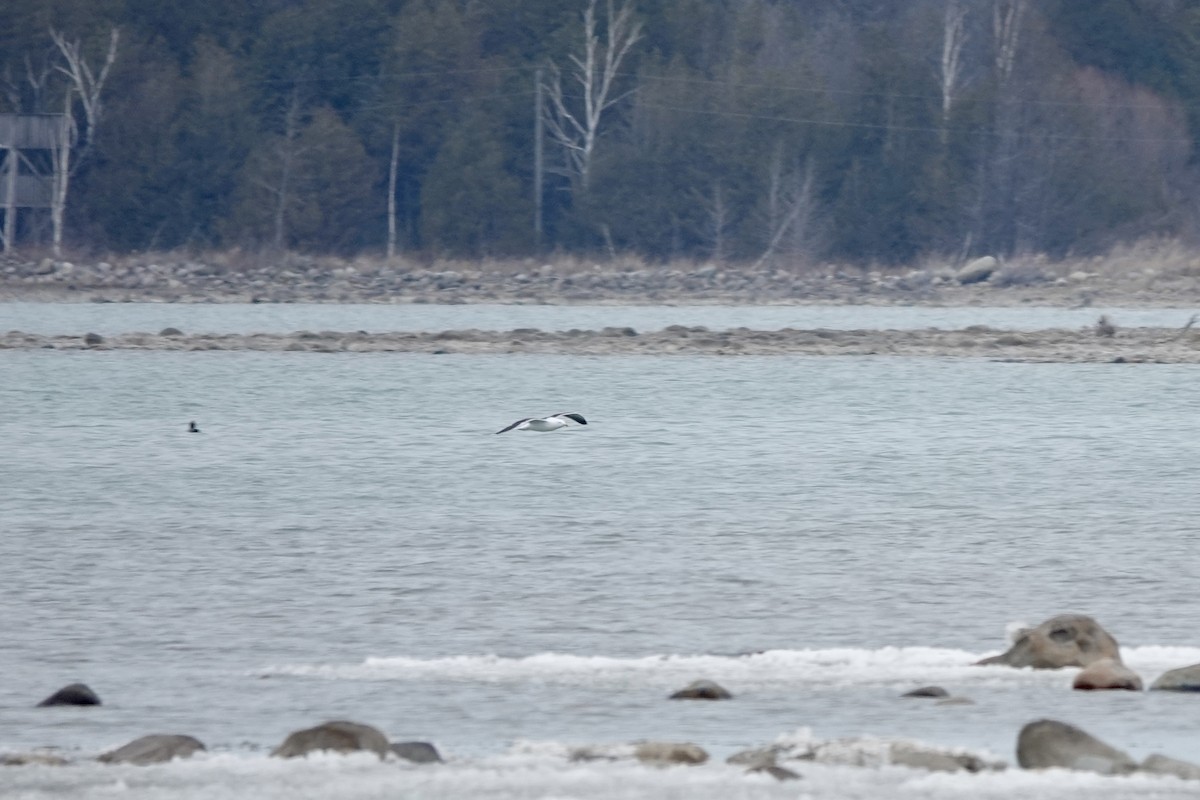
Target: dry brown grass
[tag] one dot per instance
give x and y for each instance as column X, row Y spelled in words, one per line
column 1143, row 260
column 1145, row 257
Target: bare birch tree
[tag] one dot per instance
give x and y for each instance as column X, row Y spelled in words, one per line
column 576, row 130
column 1007, row 17
column 60, row 158
column 1006, row 30
column 37, row 76
column 718, row 220
column 280, row 185
column 954, row 37
column 86, row 85
column 790, row 208
column 995, row 211
column 393, row 167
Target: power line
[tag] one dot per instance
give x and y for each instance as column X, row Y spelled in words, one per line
column 383, row 76
column 821, row 90
column 906, row 128
column 445, row 101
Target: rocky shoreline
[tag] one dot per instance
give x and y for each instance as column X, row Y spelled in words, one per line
column 985, row 282
column 300, row 279
column 1087, row 345
column 1062, row 641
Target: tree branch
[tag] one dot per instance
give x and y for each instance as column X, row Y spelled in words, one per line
column 595, row 70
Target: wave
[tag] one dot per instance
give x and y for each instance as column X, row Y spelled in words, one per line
column 890, row 667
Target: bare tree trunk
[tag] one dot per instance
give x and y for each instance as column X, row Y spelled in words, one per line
column 1006, row 28
column 718, row 221
column 391, row 210
column 10, row 197
column 793, row 197
column 1007, row 17
column 88, row 86
column 287, row 153
column 774, row 189
column 576, row 131
column 539, row 138
column 802, row 202
column 61, row 161
column 954, row 37
column 713, row 227
column 38, row 78
column 608, row 241
column 281, row 201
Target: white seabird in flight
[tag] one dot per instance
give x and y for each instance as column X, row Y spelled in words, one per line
column 551, row 423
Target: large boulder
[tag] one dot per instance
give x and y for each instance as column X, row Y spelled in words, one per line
column 1048, row 743
column 977, row 271
column 77, row 694
column 702, row 690
column 338, row 735
column 1068, row 640
column 1183, row 679
column 1107, row 674
column 153, row 749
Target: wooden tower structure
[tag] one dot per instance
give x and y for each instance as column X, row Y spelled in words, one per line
column 30, row 146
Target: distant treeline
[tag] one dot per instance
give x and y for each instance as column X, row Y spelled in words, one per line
column 757, row 131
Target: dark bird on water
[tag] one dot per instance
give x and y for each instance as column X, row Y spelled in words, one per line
column 192, row 428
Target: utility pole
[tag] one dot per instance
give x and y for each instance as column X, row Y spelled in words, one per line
column 537, row 160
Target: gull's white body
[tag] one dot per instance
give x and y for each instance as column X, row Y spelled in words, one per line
column 553, row 422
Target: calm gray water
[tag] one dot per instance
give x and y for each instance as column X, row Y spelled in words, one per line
column 114, row 318
column 347, row 538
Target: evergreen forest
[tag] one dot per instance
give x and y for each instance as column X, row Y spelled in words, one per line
column 861, row 131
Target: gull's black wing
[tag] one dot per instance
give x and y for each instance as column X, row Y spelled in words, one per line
column 515, row 424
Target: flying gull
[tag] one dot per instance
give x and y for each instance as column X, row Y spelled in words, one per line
column 550, row 423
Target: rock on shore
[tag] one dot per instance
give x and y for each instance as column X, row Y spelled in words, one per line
column 1182, row 679
column 1150, row 278
column 1066, row 640
column 1106, row 673
column 1048, row 744
column 154, row 749
column 77, row 694
column 340, row 736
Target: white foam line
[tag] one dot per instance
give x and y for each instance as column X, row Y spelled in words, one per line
column 834, row 667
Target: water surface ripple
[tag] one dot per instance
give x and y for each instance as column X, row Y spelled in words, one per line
column 347, row 538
